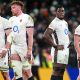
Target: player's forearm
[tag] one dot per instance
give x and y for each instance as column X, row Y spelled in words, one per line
column 30, row 42
column 7, row 47
column 8, row 31
column 30, row 38
column 77, row 44
column 50, row 41
column 78, row 55
column 48, row 37
column 77, row 50
column 77, row 47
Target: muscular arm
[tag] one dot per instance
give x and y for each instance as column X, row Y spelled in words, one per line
column 77, row 47
column 77, row 44
column 48, row 37
column 30, row 38
column 8, row 44
column 7, row 32
column 30, row 44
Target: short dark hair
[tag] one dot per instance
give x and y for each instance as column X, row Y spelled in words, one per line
column 59, row 6
column 20, row 3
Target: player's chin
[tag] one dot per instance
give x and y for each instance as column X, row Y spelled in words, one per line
column 61, row 18
column 13, row 14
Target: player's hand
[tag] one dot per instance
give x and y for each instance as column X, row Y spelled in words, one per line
column 60, row 47
column 3, row 54
column 28, row 55
column 78, row 78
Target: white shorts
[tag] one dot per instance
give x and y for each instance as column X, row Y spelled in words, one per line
column 62, row 55
column 21, row 51
column 4, row 64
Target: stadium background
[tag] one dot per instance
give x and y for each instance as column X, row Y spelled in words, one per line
column 43, row 11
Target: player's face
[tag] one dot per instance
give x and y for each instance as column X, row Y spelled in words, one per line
column 60, row 13
column 15, row 9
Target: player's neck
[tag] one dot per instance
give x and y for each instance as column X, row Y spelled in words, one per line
column 60, row 18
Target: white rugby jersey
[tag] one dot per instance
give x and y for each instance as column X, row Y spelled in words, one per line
column 3, row 25
column 19, row 25
column 77, row 30
column 61, row 28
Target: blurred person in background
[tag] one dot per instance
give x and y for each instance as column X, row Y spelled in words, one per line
column 36, row 64
column 21, row 46
column 4, row 29
column 57, row 36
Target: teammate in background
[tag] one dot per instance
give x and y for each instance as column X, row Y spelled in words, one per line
column 21, row 47
column 77, row 46
column 59, row 43
column 4, row 29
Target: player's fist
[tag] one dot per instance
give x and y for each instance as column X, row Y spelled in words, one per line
column 2, row 54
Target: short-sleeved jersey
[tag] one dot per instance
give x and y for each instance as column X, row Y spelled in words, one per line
column 19, row 25
column 3, row 26
column 61, row 29
column 77, row 30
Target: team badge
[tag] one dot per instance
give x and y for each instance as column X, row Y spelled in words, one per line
column 20, row 20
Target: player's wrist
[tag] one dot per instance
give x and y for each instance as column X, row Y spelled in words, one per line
column 5, row 49
column 29, row 48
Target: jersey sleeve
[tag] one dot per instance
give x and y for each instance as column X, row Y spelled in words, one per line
column 10, row 22
column 30, row 22
column 6, row 24
column 77, row 30
column 52, row 25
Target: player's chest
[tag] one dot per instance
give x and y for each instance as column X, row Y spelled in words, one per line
column 61, row 26
column 18, row 21
column 18, row 24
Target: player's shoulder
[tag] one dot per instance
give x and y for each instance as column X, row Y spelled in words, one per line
column 11, row 18
column 54, row 21
column 3, row 19
column 78, row 28
column 27, row 16
column 65, row 21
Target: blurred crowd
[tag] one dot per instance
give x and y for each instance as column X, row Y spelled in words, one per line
column 43, row 12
